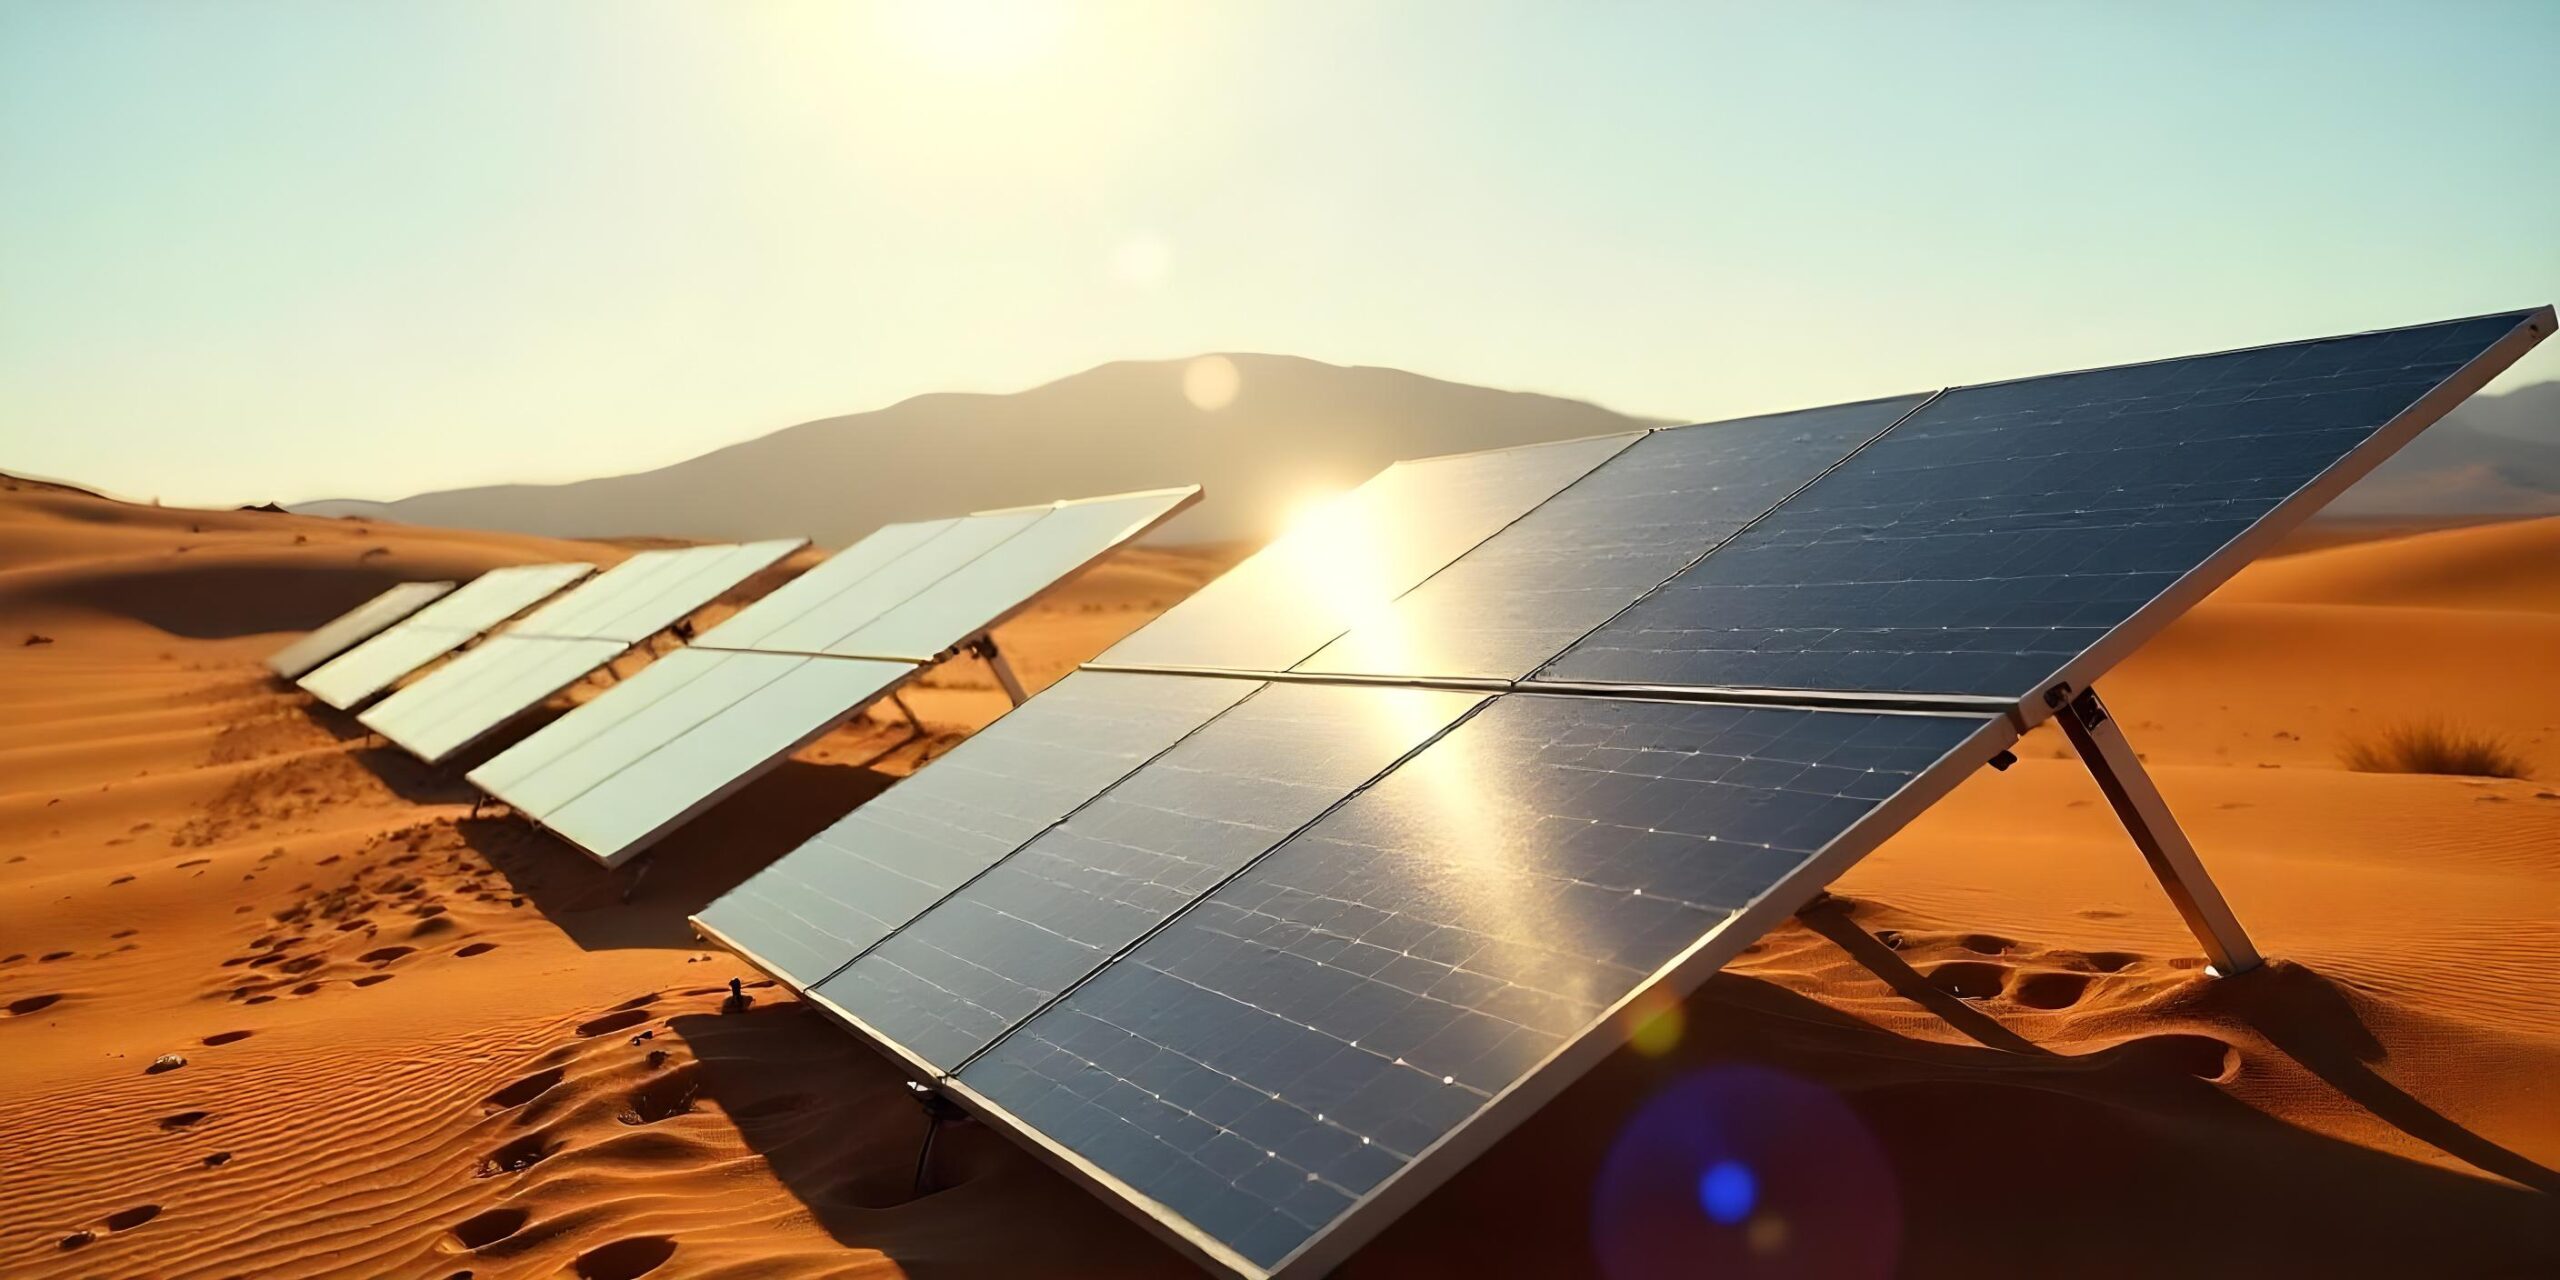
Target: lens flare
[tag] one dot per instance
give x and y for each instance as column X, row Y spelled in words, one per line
column 1654, row 1026
column 1210, row 383
column 1745, row 1171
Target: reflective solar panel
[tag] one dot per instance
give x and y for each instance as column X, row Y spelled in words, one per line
column 945, row 553
column 667, row 699
column 834, row 576
column 1518, row 599
column 466, row 700
column 1336, row 568
column 629, row 810
column 995, row 950
column 991, row 587
column 436, row 630
column 1279, row 1051
column 2003, row 530
column 348, row 629
column 810, row 913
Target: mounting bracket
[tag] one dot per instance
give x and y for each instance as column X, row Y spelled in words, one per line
column 985, row 647
column 2155, row 831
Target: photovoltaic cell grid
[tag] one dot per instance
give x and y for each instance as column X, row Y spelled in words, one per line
column 561, row 643
column 1386, row 991
column 354, row 626
column 2003, row 530
column 436, row 630
column 822, row 904
column 1298, row 1038
column 617, row 773
column 978, row 962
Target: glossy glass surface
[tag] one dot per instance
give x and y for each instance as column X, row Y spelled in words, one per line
column 346, row 630
column 436, row 630
column 987, row 588
column 1550, row 577
column 847, row 612
column 2004, row 529
column 463, row 701
column 558, row 762
column 704, row 575
column 1341, row 565
column 811, row 591
column 810, row 913
column 984, row 958
column 578, row 613
column 1279, row 1050
column 628, row 810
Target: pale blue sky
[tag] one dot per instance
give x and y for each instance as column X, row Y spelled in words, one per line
column 293, row 250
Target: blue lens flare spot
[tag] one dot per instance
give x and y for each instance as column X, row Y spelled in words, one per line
column 1727, row 1191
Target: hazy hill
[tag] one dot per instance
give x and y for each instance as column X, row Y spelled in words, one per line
column 1294, row 427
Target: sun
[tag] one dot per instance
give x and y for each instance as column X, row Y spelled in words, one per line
column 975, row 37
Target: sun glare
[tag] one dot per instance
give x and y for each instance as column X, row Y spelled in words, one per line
column 981, row 37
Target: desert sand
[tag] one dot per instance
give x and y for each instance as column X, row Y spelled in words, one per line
column 419, row 1043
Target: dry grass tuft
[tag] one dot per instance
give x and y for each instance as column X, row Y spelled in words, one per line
column 2432, row 746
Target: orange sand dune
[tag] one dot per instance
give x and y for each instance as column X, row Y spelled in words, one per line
column 423, row 1044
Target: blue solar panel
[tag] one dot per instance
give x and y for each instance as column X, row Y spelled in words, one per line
column 989, row 955
column 2002, row 530
column 1278, row 1051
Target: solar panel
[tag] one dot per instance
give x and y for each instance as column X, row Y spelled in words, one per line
column 819, row 906
column 810, row 591
column 988, row 589
column 615, row 774
column 354, row 626
column 1269, row 1060
column 1518, row 599
column 1265, row 1040
column 2003, row 530
column 1337, row 568
column 985, row 957
column 476, row 694
column 436, row 630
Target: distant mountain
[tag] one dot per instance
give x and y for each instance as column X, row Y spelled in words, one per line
column 1293, row 428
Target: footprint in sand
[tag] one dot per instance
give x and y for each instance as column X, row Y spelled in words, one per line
column 626, row 1259
column 2201, row 1056
column 51, row 956
column 668, row 1096
column 1970, row 979
column 524, row 1090
column 517, row 1156
column 217, row 1159
column 183, row 1120
column 371, row 979
column 24, row 1005
column 128, row 1219
column 385, row 955
column 612, row 1022
column 477, row 949
column 226, row 1037
column 481, row 1230
column 2050, row 990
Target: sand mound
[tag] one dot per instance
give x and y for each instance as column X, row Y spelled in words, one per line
column 420, row 1043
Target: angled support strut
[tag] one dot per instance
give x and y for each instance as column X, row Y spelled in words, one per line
column 2145, row 814
column 985, row 647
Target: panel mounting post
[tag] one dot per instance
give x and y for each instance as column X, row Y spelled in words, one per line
column 985, row 647
column 2145, row 814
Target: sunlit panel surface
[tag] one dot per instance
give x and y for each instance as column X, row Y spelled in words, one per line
column 560, row 761
column 354, row 626
column 624, row 813
column 1342, row 565
column 2004, row 529
column 811, row 591
column 436, row 630
column 895, row 583
column 652, row 591
column 580, row 612
column 987, row 956
column 1010, row 573
column 462, row 701
column 1279, row 1050
column 1615, row 534
column 810, row 913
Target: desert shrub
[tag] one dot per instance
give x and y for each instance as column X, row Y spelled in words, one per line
column 2433, row 746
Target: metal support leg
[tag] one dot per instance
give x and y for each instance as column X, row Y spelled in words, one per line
column 985, row 647
column 639, row 872
column 937, row 1110
column 2155, row 831
column 914, row 721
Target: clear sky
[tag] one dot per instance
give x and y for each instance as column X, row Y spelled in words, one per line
column 295, row 250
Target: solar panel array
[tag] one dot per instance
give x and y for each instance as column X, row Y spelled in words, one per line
column 563, row 642
column 1299, row 897
column 436, row 630
column 355, row 626
column 615, row 774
